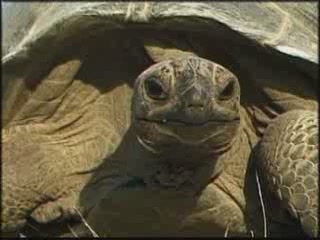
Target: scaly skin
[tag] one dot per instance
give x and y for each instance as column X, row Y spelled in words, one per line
column 46, row 157
column 183, row 197
column 143, row 196
column 288, row 160
column 169, row 187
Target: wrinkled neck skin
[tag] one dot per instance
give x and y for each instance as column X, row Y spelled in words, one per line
column 187, row 167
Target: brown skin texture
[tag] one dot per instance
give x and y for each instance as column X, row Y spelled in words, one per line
column 288, row 158
column 50, row 152
column 179, row 104
column 85, row 124
column 50, row 148
column 190, row 170
column 176, row 164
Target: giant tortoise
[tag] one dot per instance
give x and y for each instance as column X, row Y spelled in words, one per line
column 160, row 119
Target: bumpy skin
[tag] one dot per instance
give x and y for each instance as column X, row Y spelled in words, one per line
column 288, row 160
column 189, row 107
column 206, row 190
column 46, row 158
column 189, row 171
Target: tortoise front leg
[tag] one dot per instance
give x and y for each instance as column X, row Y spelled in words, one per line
column 288, row 160
column 49, row 146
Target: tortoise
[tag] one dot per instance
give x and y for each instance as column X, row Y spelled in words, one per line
column 163, row 119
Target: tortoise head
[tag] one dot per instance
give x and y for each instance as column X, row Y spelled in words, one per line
column 186, row 103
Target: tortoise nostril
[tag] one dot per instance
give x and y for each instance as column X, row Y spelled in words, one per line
column 195, row 98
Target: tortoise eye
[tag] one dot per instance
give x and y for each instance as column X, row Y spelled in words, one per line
column 228, row 91
column 154, row 89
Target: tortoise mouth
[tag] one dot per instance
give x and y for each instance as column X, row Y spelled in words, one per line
column 180, row 122
column 213, row 131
